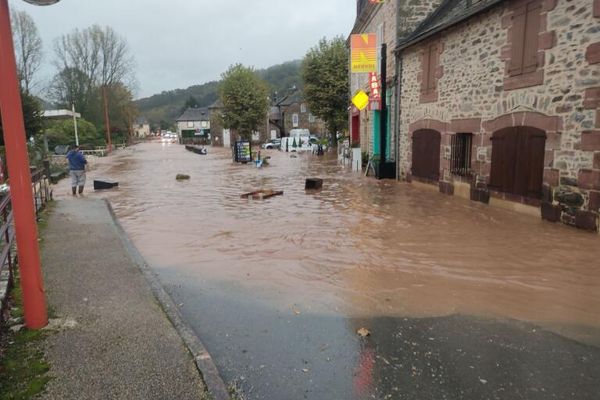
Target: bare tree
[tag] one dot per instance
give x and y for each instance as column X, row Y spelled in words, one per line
column 99, row 52
column 28, row 48
column 91, row 63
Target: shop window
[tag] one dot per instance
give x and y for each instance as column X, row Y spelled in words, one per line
column 460, row 156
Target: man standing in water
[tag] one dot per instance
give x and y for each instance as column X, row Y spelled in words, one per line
column 77, row 164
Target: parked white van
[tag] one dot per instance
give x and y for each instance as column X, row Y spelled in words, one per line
column 293, row 144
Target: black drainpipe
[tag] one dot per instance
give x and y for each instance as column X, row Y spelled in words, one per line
column 399, row 71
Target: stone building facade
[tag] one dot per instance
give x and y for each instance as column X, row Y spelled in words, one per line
column 391, row 20
column 294, row 113
column 500, row 103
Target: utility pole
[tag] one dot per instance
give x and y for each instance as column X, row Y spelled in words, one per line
column 383, row 114
column 106, row 120
column 34, row 301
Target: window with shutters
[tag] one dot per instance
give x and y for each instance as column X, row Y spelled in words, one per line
column 525, row 38
column 528, row 38
column 430, row 72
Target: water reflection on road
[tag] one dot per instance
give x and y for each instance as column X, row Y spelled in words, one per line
column 278, row 288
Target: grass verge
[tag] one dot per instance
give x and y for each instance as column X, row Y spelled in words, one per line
column 23, row 370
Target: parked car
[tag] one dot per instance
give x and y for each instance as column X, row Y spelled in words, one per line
column 272, row 144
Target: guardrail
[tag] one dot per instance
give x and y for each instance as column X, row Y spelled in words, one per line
column 7, row 253
column 8, row 256
column 41, row 189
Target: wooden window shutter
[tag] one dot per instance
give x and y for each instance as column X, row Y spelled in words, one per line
column 431, row 81
column 497, row 170
column 425, row 71
column 519, row 22
column 532, row 31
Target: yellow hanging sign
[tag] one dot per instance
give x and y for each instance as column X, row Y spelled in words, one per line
column 364, row 52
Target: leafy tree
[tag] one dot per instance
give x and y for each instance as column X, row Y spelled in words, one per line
column 62, row 132
column 244, row 98
column 325, row 75
column 28, row 47
column 32, row 116
column 70, row 86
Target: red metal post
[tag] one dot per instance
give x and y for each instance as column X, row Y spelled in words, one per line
column 34, row 301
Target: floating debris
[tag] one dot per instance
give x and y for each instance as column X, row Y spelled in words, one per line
column 182, row 177
column 363, row 332
column 197, row 149
column 313, row 183
column 262, row 194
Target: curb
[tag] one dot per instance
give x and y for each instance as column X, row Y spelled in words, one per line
column 204, row 362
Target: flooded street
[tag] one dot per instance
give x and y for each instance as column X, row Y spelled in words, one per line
column 463, row 301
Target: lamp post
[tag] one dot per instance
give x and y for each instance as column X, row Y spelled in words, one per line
column 75, row 124
column 34, row 300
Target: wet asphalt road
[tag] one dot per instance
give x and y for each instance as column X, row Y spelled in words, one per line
column 277, row 354
column 463, row 301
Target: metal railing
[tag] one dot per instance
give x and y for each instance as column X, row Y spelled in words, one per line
column 8, row 256
column 7, row 253
column 41, row 189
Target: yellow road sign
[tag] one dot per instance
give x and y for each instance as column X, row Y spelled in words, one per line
column 360, row 100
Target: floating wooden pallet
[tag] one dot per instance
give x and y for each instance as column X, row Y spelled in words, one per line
column 262, row 194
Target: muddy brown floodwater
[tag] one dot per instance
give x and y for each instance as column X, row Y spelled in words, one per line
column 296, row 275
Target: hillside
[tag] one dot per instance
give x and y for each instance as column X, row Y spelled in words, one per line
column 168, row 105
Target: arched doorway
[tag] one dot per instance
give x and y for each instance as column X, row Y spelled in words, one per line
column 426, row 154
column 518, row 161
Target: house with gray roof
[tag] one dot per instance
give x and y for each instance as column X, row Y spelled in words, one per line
column 193, row 126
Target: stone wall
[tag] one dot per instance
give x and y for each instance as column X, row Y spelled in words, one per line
column 475, row 95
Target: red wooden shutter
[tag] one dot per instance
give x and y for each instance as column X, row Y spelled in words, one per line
column 532, row 31
column 537, row 146
column 425, row 70
column 431, row 81
column 518, row 40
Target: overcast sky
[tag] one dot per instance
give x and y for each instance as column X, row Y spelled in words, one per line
column 179, row 43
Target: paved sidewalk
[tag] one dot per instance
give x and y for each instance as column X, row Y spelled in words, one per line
column 121, row 344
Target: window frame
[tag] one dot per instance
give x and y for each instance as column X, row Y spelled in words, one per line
column 461, row 154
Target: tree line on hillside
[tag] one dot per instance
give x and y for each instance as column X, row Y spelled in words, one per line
column 95, row 69
column 162, row 109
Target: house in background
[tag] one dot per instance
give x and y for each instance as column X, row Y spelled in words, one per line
column 193, row 126
column 293, row 112
column 501, row 104
column 141, row 128
column 289, row 113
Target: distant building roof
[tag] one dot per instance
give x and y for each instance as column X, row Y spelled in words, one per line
column 60, row 114
column 449, row 13
column 195, row 114
column 216, row 104
column 296, row 97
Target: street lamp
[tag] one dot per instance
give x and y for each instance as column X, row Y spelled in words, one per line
column 34, row 300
